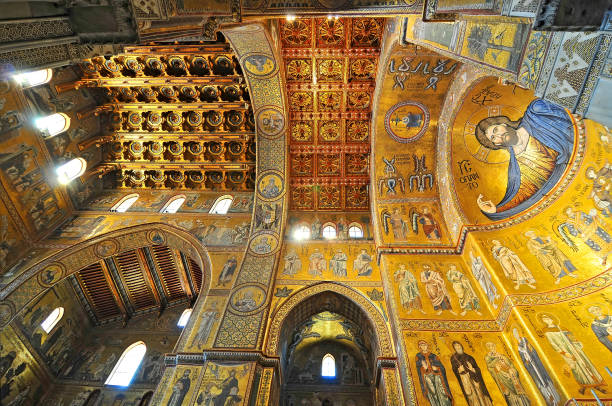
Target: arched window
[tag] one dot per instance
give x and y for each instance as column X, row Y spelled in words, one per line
column 355, row 231
column 184, row 318
column 222, row 205
column 52, row 319
column 53, row 124
column 125, row 203
column 127, row 365
column 328, row 366
column 34, row 78
column 70, row 170
column 301, row 232
column 173, row 204
column 329, row 231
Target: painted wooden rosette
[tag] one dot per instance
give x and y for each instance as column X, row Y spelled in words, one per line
column 199, row 66
column 195, row 149
column 196, row 179
column 116, row 150
column 234, row 119
column 154, row 121
column 194, row 120
column 176, row 178
column 236, row 177
column 174, row 120
column 222, row 65
column 127, row 94
column 157, row 178
column 189, row 92
column 210, row 93
column 155, row 149
column 133, row 65
column 214, row 119
column 230, row 93
column 168, row 92
column 216, row 177
column 89, row 67
column 134, row 120
column 147, row 93
column 155, row 65
column 111, row 67
column 135, row 149
column 175, row 150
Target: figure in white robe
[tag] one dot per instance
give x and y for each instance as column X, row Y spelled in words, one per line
column 338, row 264
column 514, row 269
column 464, row 290
column 572, row 352
column 482, row 275
column 410, row 297
column 293, row 263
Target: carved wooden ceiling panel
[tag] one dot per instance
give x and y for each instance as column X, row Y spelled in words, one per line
column 331, row 75
column 177, row 117
column 147, row 279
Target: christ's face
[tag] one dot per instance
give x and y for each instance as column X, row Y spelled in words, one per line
column 595, row 311
column 424, row 348
column 502, row 135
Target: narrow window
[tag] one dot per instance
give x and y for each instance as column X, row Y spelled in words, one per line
column 52, row 319
column 301, row 233
column 53, row 124
column 221, row 205
column 70, row 170
column 329, row 232
column 355, row 231
column 125, row 203
column 173, row 204
column 34, row 78
column 184, row 318
column 127, row 365
column 328, row 366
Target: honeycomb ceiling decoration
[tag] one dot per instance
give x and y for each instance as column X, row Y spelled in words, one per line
column 179, row 118
column 331, row 68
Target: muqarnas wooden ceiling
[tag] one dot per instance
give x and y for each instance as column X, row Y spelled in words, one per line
column 330, row 68
column 176, row 117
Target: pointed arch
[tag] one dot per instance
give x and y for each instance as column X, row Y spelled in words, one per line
column 125, row 203
column 128, row 363
column 222, row 205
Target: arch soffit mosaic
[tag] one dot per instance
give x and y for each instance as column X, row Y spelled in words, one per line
column 30, row 284
column 277, row 319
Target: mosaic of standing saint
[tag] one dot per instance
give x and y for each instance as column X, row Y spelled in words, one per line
column 525, row 145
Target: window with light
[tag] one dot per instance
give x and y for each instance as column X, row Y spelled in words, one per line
column 329, row 232
column 52, row 319
column 53, row 124
column 184, row 318
column 34, row 78
column 301, row 232
column 221, row 205
column 126, row 367
column 355, row 231
column 71, row 170
column 124, row 204
column 328, row 366
column 173, row 204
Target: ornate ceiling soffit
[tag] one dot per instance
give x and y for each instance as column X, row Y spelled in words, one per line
column 331, row 69
column 174, row 117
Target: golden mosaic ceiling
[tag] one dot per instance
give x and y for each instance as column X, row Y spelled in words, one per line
column 330, row 70
column 179, row 117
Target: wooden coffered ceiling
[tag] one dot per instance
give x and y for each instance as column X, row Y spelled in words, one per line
column 144, row 280
column 174, row 117
column 331, row 74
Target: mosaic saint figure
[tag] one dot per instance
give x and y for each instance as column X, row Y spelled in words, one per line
column 551, row 258
column 469, row 376
column 482, row 275
column 540, row 145
column 317, row 263
column 206, row 324
column 270, row 190
column 602, row 186
column 436, row 290
column 396, row 222
column 590, row 228
column 464, row 290
column 293, row 263
column 408, row 289
column 514, row 269
column 229, row 391
column 362, row 264
column 534, row 365
column 571, row 350
column 506, row 377
column 601, row 326
column 432, row 376
column 430, row 225
column 263, row 246
column 180, row 389
column 338, row 264
column 227, row 272
column 315, row 229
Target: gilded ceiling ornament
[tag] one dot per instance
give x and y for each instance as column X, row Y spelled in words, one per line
column 362, row 69
column 358, row 100
column 357, row 130
column 299, row 70
column 357, row 196
column 199, row 66
column 331, row 33
column 357, row 163
column 328, row 164
column 329, row 101
column 330, row 70
column 302, row 197
column 329, row 131
column 329, row 197
column 366, row 32
column 222, row 65
column 296, row 33
column 301, row 164
column 210, row 93
column 301, row 101
column 301, row 131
